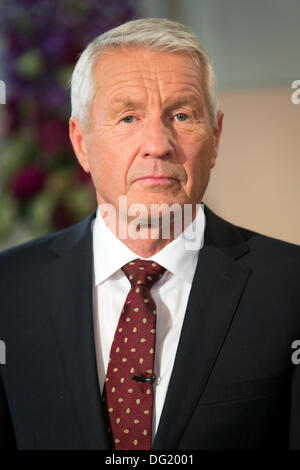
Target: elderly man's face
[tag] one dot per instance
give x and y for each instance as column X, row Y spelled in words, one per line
column 149, row 118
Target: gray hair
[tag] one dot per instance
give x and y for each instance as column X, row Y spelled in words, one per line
column 151, row 33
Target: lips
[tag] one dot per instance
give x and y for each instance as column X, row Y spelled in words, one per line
column 157, row 178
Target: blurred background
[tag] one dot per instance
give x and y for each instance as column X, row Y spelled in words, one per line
column 254, row 47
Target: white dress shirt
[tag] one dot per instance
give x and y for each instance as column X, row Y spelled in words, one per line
column 170, row 294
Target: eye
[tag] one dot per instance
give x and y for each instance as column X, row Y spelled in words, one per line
column 181, row 117
column 128, row 119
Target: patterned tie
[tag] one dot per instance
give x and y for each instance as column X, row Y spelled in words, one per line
column 129, row 400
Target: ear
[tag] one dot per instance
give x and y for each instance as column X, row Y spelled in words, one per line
column 77, row 137
column 217, row 135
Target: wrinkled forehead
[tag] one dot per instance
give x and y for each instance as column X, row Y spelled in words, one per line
column 138, row 71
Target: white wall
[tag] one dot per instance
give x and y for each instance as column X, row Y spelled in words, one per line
column 252, row 43
column 256, row 53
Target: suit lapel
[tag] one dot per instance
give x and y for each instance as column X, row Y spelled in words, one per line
column 217, row 286
column 68, row 283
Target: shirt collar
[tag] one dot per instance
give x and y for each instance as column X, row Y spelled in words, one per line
column 178, row 257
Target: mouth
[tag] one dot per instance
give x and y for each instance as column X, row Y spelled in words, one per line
column 157, row 179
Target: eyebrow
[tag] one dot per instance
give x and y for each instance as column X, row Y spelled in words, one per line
column 171, row 103
column 127, row 102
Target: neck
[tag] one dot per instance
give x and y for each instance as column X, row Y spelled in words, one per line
column 144, row 249
column 143, row 237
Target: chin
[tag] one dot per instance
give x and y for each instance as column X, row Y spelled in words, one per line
column 155, row 199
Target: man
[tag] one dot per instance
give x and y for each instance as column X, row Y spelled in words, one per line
column 143, row 341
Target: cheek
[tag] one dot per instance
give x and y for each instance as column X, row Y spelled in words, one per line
column 108, row 160
column 100, row 158
column 108, row 171
column 198, row 155
column 105, row 171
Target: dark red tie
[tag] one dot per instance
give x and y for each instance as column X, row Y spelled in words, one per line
column 128, row 390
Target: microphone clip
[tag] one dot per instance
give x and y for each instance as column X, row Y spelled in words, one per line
column 144, row 379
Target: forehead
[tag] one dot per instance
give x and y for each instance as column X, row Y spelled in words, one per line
column 144, row 72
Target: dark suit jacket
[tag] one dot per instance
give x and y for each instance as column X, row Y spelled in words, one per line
column 233, row 385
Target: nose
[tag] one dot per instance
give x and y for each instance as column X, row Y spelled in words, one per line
column 156, row 140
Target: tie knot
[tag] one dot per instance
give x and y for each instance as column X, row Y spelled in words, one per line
column 145, row 272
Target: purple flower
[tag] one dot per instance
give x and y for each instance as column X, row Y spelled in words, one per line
column 28, row 182
column 54, row 137
column 38, row 101
column 12, row 117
